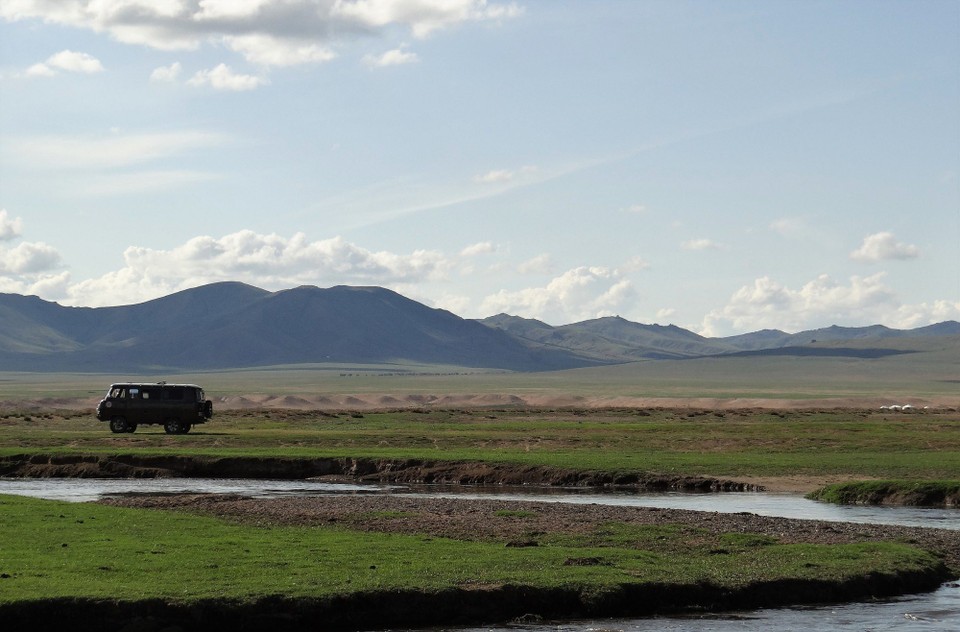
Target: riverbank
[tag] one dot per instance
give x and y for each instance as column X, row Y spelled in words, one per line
column 349, row 469
column 911, row 493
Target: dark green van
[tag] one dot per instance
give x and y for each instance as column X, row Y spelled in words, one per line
column 177, row 406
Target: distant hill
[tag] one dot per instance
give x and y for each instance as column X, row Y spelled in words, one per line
column 226, row 325
column 612, row 339
column 233, row 325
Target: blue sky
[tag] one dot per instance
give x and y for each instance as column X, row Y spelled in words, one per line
column 725, row 166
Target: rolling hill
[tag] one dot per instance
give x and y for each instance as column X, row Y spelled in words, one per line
column 225, row 325
column 233, row 325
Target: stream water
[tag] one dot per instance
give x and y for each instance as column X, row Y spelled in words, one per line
column 932, row 612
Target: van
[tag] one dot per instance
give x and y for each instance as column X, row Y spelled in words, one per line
column 177, row 406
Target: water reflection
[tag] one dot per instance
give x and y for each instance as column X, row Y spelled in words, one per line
column 934, row 612
column 761, row 503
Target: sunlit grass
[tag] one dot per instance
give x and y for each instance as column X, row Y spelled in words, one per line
column 754, row 443
column 50, row 549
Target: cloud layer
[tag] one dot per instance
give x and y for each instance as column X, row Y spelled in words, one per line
column 263, row 32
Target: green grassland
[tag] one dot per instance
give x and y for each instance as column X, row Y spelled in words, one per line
column 64, row 550
column 928, row 369
column 825, row 444
column 51, row 550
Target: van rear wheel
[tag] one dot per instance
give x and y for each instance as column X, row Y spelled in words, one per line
column 175, row 426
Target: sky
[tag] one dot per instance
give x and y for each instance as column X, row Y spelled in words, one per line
column 722, row 165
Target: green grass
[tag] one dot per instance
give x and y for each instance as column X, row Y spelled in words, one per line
column 51, row 549
column 929, row 371
column 836, row 443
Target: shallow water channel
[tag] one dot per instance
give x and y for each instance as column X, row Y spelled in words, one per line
column 933, row 612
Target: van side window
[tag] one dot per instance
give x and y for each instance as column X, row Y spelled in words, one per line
column 151, row 393
column 117, row 393
column 173, row 393
column 134, row 393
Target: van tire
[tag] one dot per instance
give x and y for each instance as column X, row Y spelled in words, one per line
column 119, row 425
column 173, row 426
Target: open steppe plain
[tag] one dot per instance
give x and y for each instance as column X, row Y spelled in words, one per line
column 200, row 561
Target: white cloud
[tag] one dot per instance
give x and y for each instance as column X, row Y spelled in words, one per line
column 395, row 57
column 480, row 248
column 491, row 177
column 73, row 61
column 700, row 244
column 267, row 50
column 541, row 264
column 499, row 176
column 263, row 31
column 421, row 16
column 578, row 294
column 634, row 264
column 767, row 304
column 10, row 228
column 117, row 150
column 46, row 285
column 269, row 261
column 666, row 314
column 166, row 74
column 68, row 60
column 637, row 209
column 452, row 303
column 223, row 78
column 28, row 258
column 27, row 267
column 40, row 70
column 789, row 226
column 883, row 247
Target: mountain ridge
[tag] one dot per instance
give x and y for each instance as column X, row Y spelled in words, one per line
column 235, row 325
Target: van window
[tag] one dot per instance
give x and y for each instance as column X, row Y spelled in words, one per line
column 134, row 393
column 151, row 393
column 117, row 393
column 174, row 393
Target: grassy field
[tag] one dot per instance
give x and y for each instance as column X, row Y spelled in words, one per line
column 827, row 445
column 930, row 370
column 67, row 550
column 52, row 550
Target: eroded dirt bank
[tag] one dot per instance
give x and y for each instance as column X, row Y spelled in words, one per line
column 354, row 469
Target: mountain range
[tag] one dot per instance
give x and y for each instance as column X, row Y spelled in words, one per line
column 233, row 325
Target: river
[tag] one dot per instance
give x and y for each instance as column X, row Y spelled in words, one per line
column 932, row 612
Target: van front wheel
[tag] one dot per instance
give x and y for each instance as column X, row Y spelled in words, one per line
column 118, row 425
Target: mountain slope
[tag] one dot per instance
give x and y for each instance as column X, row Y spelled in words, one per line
column 231, row 325
column 235, row 325
column 611, row 339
